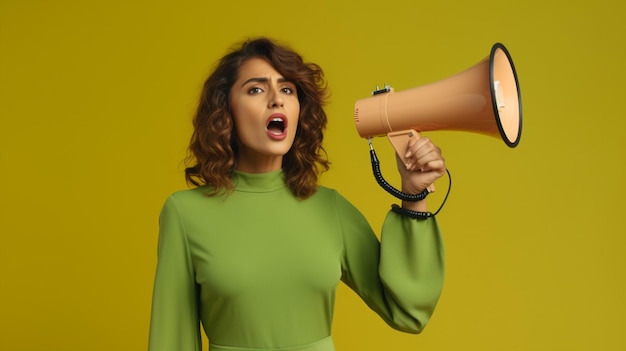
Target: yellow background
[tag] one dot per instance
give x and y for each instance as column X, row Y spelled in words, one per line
column 95, row 105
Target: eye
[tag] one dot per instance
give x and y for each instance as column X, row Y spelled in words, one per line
column 287, row 90
column 255, row 90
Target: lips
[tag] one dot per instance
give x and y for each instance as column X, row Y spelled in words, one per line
column 277, row 126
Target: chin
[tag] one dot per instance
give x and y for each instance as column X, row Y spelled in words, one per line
column 284, row 146
column 281, row 151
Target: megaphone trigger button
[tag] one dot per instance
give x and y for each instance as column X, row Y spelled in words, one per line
column 386, row 89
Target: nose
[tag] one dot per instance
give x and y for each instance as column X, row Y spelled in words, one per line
column 276, row 100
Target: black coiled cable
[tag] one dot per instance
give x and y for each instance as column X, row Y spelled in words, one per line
column 388, row 187
column 397, row 193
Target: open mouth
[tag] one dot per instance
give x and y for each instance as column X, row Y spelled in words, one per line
column 276, row 125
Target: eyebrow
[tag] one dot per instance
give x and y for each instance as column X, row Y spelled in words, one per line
column 264, row 80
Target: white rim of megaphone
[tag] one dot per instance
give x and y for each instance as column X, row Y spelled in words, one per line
column 494, row 49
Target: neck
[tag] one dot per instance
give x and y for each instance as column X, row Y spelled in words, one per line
column 259, row 164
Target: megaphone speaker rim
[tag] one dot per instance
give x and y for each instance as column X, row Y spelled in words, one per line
column 497, row 47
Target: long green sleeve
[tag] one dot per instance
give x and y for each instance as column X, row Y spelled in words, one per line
column 175, row 321
column 402, row 277
column 259, row 268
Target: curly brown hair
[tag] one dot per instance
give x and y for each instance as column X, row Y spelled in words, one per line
column 213, row 152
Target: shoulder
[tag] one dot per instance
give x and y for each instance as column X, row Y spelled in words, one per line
column 325, row 191
column 192, row 194
column 333, row 197
column 326, row 194
column 184, row 200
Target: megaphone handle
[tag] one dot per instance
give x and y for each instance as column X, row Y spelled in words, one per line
column 400, row 142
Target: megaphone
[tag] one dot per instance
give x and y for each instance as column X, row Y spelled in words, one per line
column 483, row 99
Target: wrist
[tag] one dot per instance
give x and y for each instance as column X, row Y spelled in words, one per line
column 419, row 206
column 419, row 215
column 409, row 188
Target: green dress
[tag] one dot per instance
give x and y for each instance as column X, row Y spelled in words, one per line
column 259, row 268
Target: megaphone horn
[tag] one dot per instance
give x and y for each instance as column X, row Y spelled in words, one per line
column 483, row 99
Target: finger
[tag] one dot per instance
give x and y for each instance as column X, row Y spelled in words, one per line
column 411, row 146
column 421, row 146
column 438, row 166
column 426, row 154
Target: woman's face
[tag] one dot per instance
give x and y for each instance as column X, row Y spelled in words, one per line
column 265, row 110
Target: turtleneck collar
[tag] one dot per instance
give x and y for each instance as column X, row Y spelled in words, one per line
column 259, row 182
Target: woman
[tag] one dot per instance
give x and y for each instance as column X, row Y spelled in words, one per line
column 255, row 251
